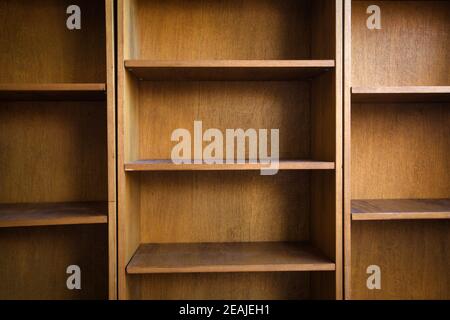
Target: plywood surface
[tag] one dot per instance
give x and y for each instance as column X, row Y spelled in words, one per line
column 411, row 49
column 45, row 214
column 228, row 69
column 399, row 209
column 413, row 257
column 227, row 257
column 168, row 165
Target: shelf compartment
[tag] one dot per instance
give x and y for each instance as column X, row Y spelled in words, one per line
column 401, row 94
column 227, row 257
column 168, row 165
column 52, row 214
column 53, row 91
column 401, row 209
column 226, row 70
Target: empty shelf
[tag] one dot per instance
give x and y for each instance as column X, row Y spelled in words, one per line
column 400, row 94
column 49, row 214
column 227, row 257
column 53, row 91
column 228, row 69
column 400, row 209
column 168, row 165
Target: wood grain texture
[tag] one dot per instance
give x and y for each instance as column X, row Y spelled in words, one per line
column 189, row 207
column 47, row 214
column 37, row 47
column 52, row 152
column 111, row 145
column 400, row 94
column 223, row 105
column 168, row 165
column 400, row 151
column 228, row 69
column 34, row 261
column 411, row 49
column 413, row 256
column 225, row 29
column 401, row 209
column 53, row 91
column 226, row 286
column 227, row 257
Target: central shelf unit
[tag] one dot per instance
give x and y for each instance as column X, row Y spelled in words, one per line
column 223, row 231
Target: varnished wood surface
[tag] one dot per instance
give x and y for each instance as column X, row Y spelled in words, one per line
column 168, row 165
column 228, row 69
column 33, row 262
column 225, row 29
column 401, row 94
column 411, row 49
column 227, row 257
column 46, row 214
column 414, row 258
column 37, row 47
column 53, row 91
column 226, row 286
column 400, row 209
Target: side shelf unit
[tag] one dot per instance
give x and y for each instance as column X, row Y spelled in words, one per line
column 57, row 150
column 224, row 231
column 397, row 149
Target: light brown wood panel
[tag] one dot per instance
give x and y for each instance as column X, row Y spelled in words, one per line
column 228, row 69
column 47, row 214
column 225, row 29
column 412, row 48
column 37, row 47
column 400, row 94
column 53, row 152
column 401, row 209
column 224, row 207
column 400, row 151
column 226, row 286
column 228, row 257
column 53, row 91
column 414, row 257
column 169, row 165
column 34, row 261
column 224, row 105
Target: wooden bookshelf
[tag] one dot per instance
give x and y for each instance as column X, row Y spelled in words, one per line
column 400, row 209
column 52, row 214
column 169, row 165
column 397, row 124
column 57, row 157
column 227, row 257
column 53, row 91
column 228, row 69
column 248, row 238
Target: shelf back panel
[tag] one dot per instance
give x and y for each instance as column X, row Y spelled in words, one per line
column 52, row 152
column 401, row 151
column 34, row 261
column 411, row 49
column 37, row 47
column 414, row 258
column 223, row 207
column 167, row 106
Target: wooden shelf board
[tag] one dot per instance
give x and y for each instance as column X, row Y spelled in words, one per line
column 168, row 165
column 227, row 257
column 400, row 209
column 401, row 94
column 50, row 214
column 53, row 91
column 228, row 69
